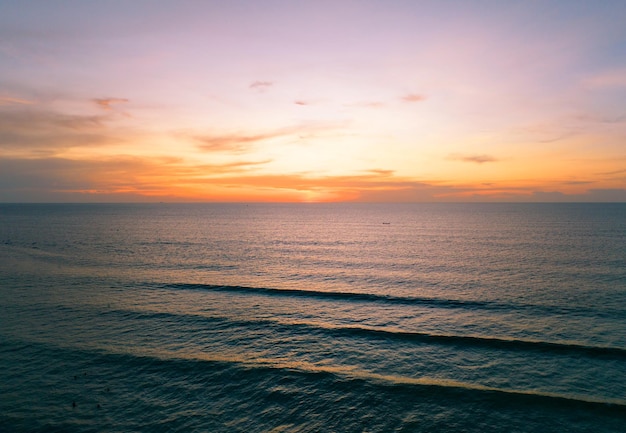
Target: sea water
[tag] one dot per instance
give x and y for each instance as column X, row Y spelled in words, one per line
column 312, row 317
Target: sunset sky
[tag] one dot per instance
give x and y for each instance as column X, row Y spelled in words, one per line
column 312, row 100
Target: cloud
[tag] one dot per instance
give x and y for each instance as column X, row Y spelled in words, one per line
column 241, row 142
column 381, row 172
column 413, row 97
column 124, row 177
column 27, row 131
column 556, row 138
column 261, row 86
column 611, row 173
column 612, row 79
column 301, row 102
column 372, row 186
column 234, row 142
column 231, row 167
column 548, row 132
column 602, row 119
column 616, row 195
column 41, row 119
column 477, row 159
column 53, row 175
column 578, row 182
column 107, row 103
column 305, row 182
column 7, row 100
column 128, row 178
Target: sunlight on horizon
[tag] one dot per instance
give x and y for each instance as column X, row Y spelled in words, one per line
column 324, row 101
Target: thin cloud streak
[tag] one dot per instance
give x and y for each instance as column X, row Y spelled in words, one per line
column 477, row 159
column 28, row 120
column 7, row 100
column 611, row 173
column 107, row 103
column 232, row 143
column 260, row 85
column 413, row 97
column 242, row 142
column 140, row 179
column 611, row 79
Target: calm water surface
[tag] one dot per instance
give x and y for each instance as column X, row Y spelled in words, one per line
column 313, row 318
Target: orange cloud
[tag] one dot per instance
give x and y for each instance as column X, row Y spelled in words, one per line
column 107, row 103
column 372, row 186
column 239, row 142
column 233, row 142
column 60, row 178
column 478, row 159
column 7, row 100
column 413, row 97
column 142, row 177
column 125, row 178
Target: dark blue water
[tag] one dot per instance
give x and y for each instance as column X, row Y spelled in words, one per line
column 313, row 318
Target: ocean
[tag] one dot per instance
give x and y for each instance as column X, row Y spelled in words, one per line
column 312, row 317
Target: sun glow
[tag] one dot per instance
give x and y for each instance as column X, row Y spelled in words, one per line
column 468, row 104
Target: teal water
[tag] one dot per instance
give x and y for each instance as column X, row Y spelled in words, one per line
column 313, row 317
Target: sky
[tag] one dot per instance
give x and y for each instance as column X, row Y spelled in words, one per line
column 308, row 101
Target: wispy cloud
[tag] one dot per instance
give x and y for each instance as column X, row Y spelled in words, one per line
column 124, row 177
column 591, row 195
column 128, row 178
column 611, row 173
column 381, row 172
column 477, row 159
column 413, row 97
column 25, row 131
column 7, row 100
column 301, row 102
column 234, row 142
column 350, row 187
column 578, row 182
column 107, row 103
column 139, row 179
column 550, row 132
column 241, row 142
column 602, row 119
column 261, row 86
column 611, row 79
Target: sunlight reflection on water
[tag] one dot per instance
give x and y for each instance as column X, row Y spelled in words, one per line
column 493, row 302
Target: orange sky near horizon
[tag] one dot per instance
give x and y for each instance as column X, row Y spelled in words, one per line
column 315, row 101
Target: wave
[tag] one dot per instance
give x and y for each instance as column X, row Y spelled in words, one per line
column 466, row 341
column 489, row 342
column 403, row 300
column 269, row 373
